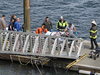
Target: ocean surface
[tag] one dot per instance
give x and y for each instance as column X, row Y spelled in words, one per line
column 78, row 12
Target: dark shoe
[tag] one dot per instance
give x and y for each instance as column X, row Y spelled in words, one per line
column 97, row 48
column 91, row 48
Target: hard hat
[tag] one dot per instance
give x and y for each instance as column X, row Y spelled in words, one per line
column 61, row 17
column 93, row 22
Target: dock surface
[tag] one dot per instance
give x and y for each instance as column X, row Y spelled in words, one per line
column 87, row 62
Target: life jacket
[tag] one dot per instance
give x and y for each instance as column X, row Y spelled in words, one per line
column 61, row 26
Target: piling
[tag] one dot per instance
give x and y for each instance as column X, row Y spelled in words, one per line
column 26, row 5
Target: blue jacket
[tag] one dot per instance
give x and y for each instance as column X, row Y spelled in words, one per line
column 17, row 26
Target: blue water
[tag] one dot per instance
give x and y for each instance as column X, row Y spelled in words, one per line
column 79, row 12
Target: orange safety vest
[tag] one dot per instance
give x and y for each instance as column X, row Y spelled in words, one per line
column 39, row 30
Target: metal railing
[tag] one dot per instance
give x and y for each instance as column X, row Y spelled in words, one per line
column 22, row 43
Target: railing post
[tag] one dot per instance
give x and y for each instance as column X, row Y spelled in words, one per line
column 49, row 44
column 21, row 42
column 30, row 43
column 10, row 38
column 67, row 51
column 58, row 46
column 40, row 44
column 0, row 42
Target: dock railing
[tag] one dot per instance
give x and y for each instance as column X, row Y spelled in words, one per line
column 22, row 43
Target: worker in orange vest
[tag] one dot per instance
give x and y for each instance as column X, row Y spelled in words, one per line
column 41, row 29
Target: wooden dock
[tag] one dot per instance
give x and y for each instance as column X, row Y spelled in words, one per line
column 86, row 63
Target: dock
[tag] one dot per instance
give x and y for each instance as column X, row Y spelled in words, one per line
column 88, row 63
column 29, row 48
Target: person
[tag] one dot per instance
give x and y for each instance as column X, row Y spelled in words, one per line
column 61, row 25
column 22, row 28
column 67, row 34
column 48, row 24
column 13, row 17
column 93, row 34
column 70, row 28
column 16, row 25
column 41, row 29
column 2, row 23
column 10, row 25
column 70, row 36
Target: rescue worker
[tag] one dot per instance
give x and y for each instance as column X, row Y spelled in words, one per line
column 70, row 28
column 48, row 24
column 93, row 34
column 61, row 25
column 41, row 29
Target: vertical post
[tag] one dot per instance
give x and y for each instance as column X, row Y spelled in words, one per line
column 27, row 15
column 10, row 38
column 67, row 51
column 1, row 42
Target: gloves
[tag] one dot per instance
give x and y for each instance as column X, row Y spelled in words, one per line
column 51, row 30
column 5, row 29
column 76, row 33
column 64, row 32
column 57, row 30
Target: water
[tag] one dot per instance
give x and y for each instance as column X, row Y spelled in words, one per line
column 79, row 12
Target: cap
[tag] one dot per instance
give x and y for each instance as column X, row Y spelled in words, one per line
column 70, row 23
column 61, row 17
column 93, row 22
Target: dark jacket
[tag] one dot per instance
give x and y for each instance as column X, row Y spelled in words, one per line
column 48, row 25
column 93, row 32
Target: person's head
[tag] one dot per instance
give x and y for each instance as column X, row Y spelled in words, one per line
column 18, row 20
column 43, row 27
column 67, row 33
column 61, row 18
column 3, row 16
column 93, row 23
column 14, row 16
column 70, row 24
column 12, row 20
column 47, row 19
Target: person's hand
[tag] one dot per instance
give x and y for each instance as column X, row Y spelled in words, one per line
column 57, row 30
column 51, row 30
column 76, row 33
column 5, row 29
column 64, row 32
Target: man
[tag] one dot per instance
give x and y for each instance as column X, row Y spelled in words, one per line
column 61, row 25
column 41, row 29
column 2, row 23
column 93, row 34
column 16, row 25
column 70, row 28
column 48, row 24
column 69, row 35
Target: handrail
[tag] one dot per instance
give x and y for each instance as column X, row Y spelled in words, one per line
column 39, row 44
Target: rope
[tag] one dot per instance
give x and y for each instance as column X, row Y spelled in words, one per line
column 11, row 58
column 32, row 61
column 22, row 63
column 55, row 67
column 38, row 68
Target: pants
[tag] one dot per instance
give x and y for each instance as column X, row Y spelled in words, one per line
column 94, row 40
